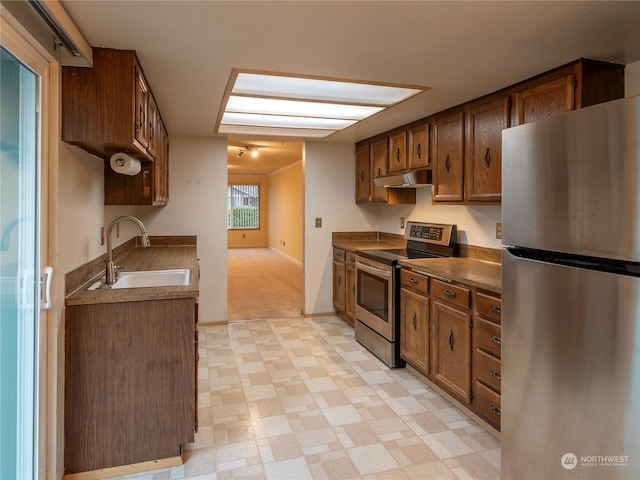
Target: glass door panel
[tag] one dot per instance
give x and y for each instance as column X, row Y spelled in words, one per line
column 19, row 267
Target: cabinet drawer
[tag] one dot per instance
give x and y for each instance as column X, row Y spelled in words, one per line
column 339, row 255
column 488, row 337
column 350, row 258
column 488, row 404
column 414, row 281
column 451, row 293
column 489, row 306
column 488, row 369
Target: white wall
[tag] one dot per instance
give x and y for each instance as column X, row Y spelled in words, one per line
column 632, row 80
column 329, row 192
column 197, row 206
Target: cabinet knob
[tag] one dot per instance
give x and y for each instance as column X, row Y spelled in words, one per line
column 495, row 409
column 419, row 151
column 362, row 175
column 447, row 163
column 448, row 293
column 487, row 157
column 413, row 280
column 495, row 309
column 494, row 339
column 414, row 321
column 450, row 340
column 398, row 154
column 496, row 375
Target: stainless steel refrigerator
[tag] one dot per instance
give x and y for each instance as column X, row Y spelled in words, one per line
column 571, row 296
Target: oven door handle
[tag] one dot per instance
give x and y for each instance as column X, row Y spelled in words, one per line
column 372, row 270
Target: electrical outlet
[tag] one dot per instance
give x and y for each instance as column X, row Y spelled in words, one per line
column 101, row 236
column 499, row 231
column 318, row 222
column 401, row 222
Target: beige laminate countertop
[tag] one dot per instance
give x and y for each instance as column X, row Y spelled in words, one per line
column 475, row 273
column 152, row 258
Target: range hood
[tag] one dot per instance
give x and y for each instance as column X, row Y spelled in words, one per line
column 413, row 179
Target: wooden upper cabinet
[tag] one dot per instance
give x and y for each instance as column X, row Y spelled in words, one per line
column 398, row 152
column 448, row 151
column 379, row 154
column 109, row 108
column 545, row 100
column 576, row 85
column 418, row 147
column 483, row 158
column 363, row 173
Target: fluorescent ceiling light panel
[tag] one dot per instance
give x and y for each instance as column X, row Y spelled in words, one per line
column 271, row 106
column 285, row 121
column 288, row 105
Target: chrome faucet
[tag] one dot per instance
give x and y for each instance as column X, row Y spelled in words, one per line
column 111, row 271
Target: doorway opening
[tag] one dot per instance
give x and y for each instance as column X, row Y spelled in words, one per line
column 265, row 229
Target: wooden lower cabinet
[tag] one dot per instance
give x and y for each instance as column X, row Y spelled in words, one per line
column 414, row 330
column 451, row 349
column 350, row 293
column 339, row 290
column 129, row 382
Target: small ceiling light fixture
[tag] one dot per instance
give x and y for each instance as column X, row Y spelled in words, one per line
column 248, row 148
column 267, row 103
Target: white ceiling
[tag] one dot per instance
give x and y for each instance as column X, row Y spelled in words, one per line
column 461, row 49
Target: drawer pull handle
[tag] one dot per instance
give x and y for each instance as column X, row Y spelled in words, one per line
column 447, row 163
column 413, row 280
column 496, row 375
column 494, row 339
column 495, row 309
column 495, row 409
column 487, row 157
column 450, row 340
column 398, row 155
column 419, row 150
column 449, row 293
column 414, row 321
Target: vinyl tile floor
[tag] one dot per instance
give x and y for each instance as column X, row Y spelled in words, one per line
column 299, row 398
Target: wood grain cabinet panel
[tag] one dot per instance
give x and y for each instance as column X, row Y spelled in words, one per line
column 129, row 382
column 418, row 147
column 398, row 152
column 379, row 168
column 414, row 330
column 363, row 173
column 451, row 349
column 483, row 159
column 448, row 151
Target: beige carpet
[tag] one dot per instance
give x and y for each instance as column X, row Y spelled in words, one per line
column 262, row 283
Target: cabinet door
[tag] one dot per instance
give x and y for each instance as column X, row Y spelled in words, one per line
column 152, row 127
column 398, row 152
column 451, row 349
column 414, row 330
column 546, row 100
column 448, row 142
column 142, row 101
column 379, row 169
column 350, row 301
column 418, row 147
column 483, row 170
column 339, row 288
column 363, row 173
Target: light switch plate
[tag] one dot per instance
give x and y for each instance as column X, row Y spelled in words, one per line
column 499, row 231
column 318, row 222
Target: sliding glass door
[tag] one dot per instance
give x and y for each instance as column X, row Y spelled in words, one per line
column 19, row 267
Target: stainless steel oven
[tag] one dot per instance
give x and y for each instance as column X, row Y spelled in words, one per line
column 377, row 324
column 376, row 308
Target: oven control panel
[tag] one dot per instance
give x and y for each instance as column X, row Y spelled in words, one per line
column 435, row 233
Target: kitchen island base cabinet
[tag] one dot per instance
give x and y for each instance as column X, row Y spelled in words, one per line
column 129, row 382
